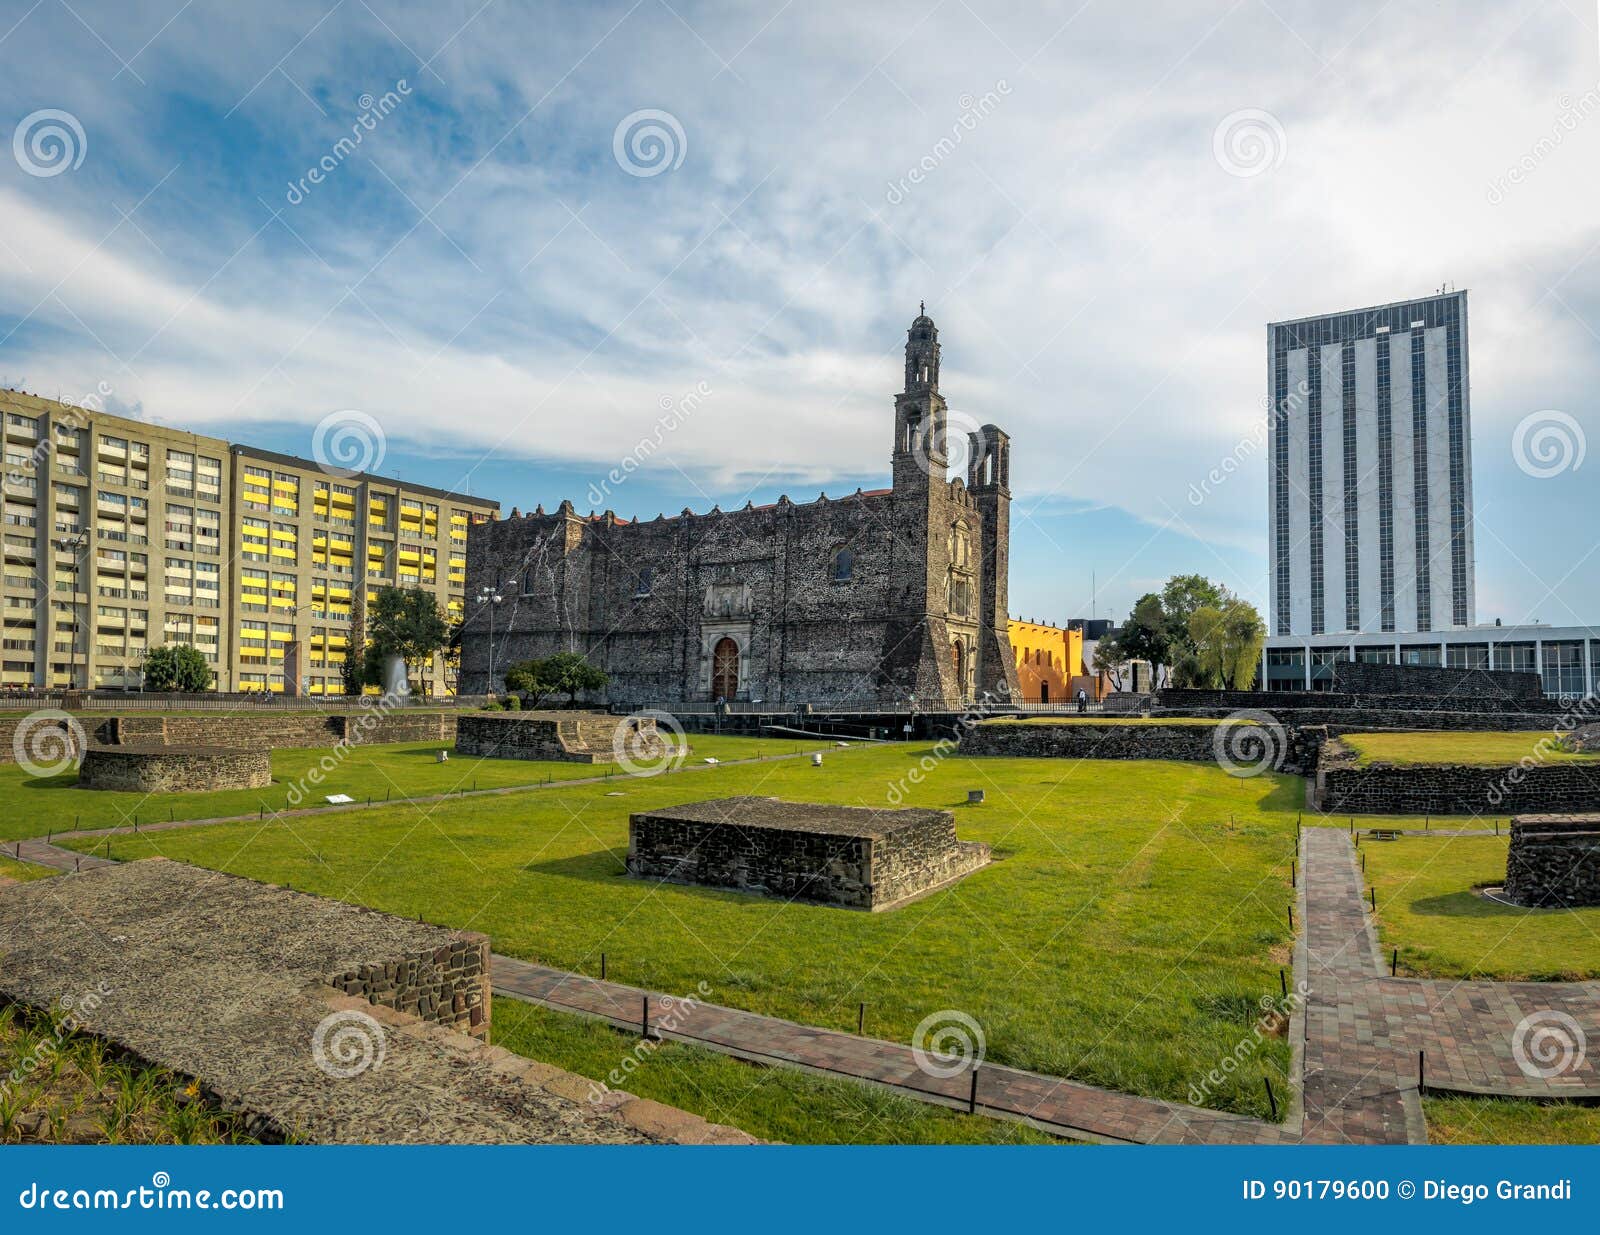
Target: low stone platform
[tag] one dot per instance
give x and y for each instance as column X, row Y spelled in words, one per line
column 565, row 736
column 1554, row 861
column 174, row 769
column 833, row 855
column 1345, row 785
column 265, row 997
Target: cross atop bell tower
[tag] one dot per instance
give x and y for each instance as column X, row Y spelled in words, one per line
column 922, row 354
column 919, row 411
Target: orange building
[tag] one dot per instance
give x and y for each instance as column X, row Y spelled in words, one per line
column 1049, row 661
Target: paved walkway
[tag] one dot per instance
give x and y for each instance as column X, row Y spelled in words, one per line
column 1357, row 1034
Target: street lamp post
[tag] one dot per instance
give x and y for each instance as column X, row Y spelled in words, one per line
column 73, row 544
column 488, row 596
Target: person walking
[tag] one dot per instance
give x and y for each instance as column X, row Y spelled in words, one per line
column 1083, row 700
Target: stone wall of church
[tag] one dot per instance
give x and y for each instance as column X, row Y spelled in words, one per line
column 649, row 601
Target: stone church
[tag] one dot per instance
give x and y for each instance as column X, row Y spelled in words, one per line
column 882, row 598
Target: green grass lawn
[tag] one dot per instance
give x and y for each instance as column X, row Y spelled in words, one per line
column 773, row 1103
column 1428, row 907
column 1111, row 720
column 1491, row 749
column 1507, row 1121
column 55, row 803
column 1124, row 936
column 23, row 871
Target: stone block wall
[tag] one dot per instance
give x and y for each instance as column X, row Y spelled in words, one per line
column 1374, row 707
column 1344, row 787
column 266, row 730
column 1365, row 679
column 1189, row 743
column 174, row 769
column 801, row 851
column 448, row 985
column 568, row 737
column 1554, row 861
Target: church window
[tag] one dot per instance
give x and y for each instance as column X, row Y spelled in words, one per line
column 844, row 565
column 644, row 582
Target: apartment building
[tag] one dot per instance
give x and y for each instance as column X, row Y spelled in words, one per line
column 121, row 535
column 313, row 549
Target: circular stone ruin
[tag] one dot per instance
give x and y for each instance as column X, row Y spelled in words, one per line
column 174, row 769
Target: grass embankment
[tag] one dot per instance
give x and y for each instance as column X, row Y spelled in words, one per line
column 1124, row 936
column 403, row 770
column 1430, row 908
column 65, row 1087
column 1476, row 749
column 1508, row 1121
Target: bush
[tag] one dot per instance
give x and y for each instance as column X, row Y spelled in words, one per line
column 176, row 666
column 512, row 704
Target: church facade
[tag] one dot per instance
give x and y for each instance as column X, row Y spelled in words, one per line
column 884, row 598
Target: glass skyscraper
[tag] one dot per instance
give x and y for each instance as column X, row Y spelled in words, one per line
column 1370, row 470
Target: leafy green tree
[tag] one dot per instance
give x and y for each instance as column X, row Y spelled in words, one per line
column 564, row 672
column 1145, row 635
column 1181, row 598
column 530, row 678
column 570, row 672
column 176, row 666
column 1110, row 658
column 403, row 622
column 1228, row 640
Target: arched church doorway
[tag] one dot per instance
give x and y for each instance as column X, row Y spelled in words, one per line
column 725, row 669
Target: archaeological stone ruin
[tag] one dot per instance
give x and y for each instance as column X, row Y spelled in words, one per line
column 174, row 769
column 1554, row 861
column 849, row 856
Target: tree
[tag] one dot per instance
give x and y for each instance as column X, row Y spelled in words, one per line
column 565, row 671
column 403, row 622
column 176, row 666
column 1181, row 598
column 1110, row 658
column 1145, row 635
column 570, row 672
column 530, row 678
column 1228, row 640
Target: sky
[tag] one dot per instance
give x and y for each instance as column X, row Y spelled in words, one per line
column 496, row 246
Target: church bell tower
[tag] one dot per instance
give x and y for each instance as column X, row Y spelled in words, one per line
column 919, row 410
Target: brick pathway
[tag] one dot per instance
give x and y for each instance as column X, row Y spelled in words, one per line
column 1356, row 1086
column 1356, row 1037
